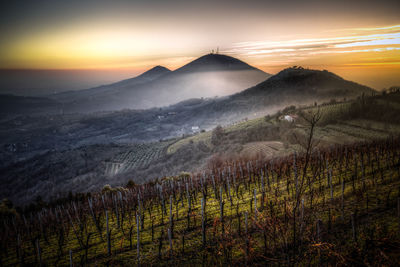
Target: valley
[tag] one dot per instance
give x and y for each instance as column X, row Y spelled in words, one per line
column 266, row 137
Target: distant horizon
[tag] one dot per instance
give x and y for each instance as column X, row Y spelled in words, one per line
column 48, row 81
column 100, row 41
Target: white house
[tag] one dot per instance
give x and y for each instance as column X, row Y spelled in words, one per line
column 195, row 129
column 288, row 118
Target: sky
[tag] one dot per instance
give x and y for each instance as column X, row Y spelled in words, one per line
column 61, row 45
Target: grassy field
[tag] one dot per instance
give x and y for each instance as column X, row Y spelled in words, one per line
column 338, row 206
column 232, row 129
column 205, row 137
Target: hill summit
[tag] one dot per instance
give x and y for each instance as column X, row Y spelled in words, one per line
column 295, row 75
column 300, row 82
column 215, row 62
column 154, row 73
column 150, row 75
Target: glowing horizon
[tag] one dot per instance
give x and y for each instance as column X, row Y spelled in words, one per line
column 356, row 41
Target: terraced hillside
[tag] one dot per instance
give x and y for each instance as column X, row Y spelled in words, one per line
column 137, row 156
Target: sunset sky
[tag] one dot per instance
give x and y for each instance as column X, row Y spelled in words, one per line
column 104, row 41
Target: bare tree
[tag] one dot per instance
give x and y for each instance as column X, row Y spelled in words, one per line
column 311, row 119
column 309, row 143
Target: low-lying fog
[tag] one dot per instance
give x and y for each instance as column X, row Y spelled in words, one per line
column 45, row 82
column 168, row 89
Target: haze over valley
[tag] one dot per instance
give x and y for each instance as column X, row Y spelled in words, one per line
column 68, row 122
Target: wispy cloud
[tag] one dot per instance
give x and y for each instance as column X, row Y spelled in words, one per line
column 377, row 39
column 355, row 41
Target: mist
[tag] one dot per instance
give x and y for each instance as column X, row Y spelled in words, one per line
column 194, row 85
column 169, row 89
column 46, row 82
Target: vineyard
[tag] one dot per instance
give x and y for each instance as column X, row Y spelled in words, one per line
column 335, row 206
column 265, row 148
column 357, row 132
column 331, row 111
column 138, row 156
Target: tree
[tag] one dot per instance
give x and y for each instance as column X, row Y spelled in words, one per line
column 217, row 135
column 131, row 184
column 311, row 120
column 107, row 188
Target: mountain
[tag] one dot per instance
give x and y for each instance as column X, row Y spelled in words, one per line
column 208, row 76
column 296, row 85
column 297, row 80
column 215, row 62
column 149, row 75
column 110, row 89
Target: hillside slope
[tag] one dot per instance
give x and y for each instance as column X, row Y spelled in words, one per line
column 297, row 85
column 340, row 207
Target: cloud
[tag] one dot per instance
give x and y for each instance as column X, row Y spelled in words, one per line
column 380, row 39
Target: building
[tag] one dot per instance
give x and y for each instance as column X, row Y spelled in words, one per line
column 288, row 118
